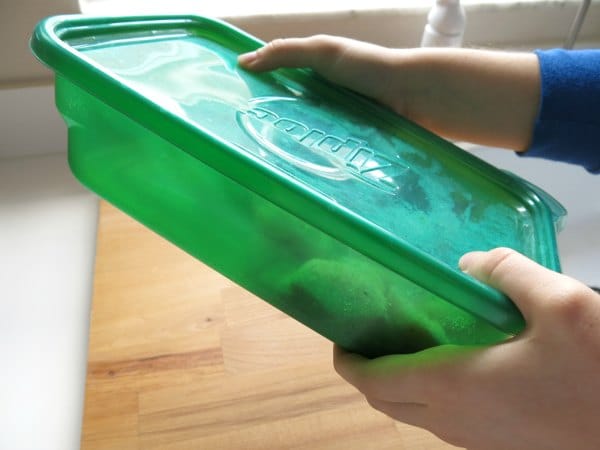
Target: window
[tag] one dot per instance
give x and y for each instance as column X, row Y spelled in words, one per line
column 399, row 23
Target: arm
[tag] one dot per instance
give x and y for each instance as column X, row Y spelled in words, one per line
column 486, row 97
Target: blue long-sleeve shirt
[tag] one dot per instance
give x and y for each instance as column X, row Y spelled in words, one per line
column 567, row 127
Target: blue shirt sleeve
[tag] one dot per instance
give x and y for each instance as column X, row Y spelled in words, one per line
column 567, row 127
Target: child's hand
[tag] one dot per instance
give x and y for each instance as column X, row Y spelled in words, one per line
column 362, row 67
column 486, row 97
column 539, row 390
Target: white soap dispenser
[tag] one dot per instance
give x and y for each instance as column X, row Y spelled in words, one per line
column 445, row 25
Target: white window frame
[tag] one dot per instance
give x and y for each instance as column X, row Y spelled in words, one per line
column 399, row 23
column 522, row 24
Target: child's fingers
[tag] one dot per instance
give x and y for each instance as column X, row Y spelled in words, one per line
column 313, row 52
column 410, row 378
column 531, row 286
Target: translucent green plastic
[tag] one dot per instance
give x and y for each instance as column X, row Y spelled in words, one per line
column 331, row 208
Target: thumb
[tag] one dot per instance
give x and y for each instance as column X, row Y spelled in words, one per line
column 526, row 282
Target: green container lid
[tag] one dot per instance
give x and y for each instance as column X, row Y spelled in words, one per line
column 381, row 186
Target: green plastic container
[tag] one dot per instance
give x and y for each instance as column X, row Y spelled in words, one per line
column 324, row 204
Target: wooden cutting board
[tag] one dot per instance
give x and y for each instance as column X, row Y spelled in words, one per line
column 182, row 358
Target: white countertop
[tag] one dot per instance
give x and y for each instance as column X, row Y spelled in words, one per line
column 47, row 244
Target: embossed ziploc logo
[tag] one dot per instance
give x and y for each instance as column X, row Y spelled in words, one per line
column 269, row 121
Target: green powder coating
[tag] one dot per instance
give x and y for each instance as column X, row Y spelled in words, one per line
column 333, row 291
column 378, row 313
column 348, row 297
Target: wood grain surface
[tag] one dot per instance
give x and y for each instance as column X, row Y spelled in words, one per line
column 182, row 358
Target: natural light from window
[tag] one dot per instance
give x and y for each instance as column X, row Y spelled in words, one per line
column 229, row 8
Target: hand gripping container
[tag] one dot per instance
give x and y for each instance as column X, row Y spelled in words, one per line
column 328, row 206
